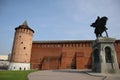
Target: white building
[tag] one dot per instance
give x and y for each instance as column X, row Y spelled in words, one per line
column 3, row 57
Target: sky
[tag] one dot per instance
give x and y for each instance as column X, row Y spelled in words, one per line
column 57, row 19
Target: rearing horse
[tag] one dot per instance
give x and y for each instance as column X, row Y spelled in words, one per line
column 99, row 26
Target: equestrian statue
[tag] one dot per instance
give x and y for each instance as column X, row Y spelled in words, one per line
column 100, row 26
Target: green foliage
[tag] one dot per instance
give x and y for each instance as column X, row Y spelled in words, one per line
column 14, row 75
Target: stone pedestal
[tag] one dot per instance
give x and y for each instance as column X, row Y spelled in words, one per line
column 104, row 58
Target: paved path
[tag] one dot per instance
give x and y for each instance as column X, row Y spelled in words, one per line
column 69, row 75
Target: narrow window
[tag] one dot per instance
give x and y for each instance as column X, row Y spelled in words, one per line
column 21, row 42
column 24, row 47
column 108, row 56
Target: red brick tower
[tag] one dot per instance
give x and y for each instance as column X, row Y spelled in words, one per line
column 21, row 51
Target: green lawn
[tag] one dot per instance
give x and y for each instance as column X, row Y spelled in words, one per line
column 14, row 75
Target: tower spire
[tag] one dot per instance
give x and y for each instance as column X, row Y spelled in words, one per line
column 25, row 23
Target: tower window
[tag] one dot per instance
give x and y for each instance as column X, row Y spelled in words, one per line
column 24, row 47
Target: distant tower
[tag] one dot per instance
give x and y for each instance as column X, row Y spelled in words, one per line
column 21, row 51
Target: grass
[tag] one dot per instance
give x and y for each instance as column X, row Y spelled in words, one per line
column 14, row 75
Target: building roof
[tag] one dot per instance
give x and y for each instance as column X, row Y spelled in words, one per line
column 24, row 26
column 63, row 41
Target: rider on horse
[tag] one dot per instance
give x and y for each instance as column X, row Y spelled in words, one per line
column 99, row 26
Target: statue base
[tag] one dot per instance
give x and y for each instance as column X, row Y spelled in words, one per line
column 104, row 58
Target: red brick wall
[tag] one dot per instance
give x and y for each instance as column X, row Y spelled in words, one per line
column 117, row 48
column 50, row 63
column 63, row 55
column 41, row 56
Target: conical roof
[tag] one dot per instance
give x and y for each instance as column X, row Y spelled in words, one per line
column 25, row 23
column 24, row 26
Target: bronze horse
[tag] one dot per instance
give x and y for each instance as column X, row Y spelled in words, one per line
column 99, row 26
